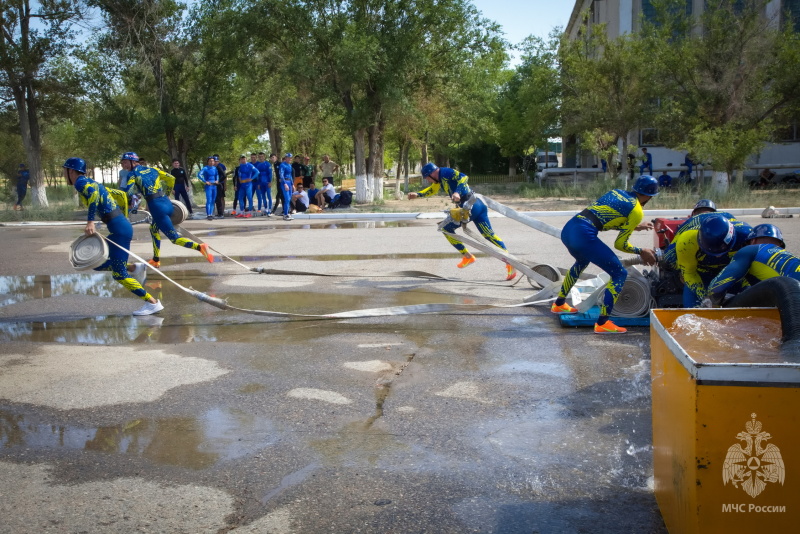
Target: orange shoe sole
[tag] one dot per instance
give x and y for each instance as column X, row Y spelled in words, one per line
column 468, row 260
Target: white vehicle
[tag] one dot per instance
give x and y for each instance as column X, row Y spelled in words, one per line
column 546, row 160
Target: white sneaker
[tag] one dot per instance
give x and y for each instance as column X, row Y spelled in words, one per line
column 269, row 214
column 139, row 272
column 149, row 309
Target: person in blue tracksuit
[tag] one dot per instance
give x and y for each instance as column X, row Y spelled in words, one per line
column 286, row 184
column 764, row 256
column 455, row 186
column 264, row 184
column 616, row 210
column 100, row 204
column 647, row 162
column 246, row 172
column 23, row 175
column 210, row 178
column 147, row 181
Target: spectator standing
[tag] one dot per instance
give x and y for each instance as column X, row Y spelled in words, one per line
column 285, row 178
column 310, row 172
column 327, row 193
column 647, row 162
column 298, row 170
column 328, row 168
column 222, row 177
column 246, row 172
column 276, row 167
column 210, row 178
column 264, row 184
column 23, row 175
column 300, row 200
column 182, row 185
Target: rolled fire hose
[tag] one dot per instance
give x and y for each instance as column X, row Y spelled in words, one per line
column 88, row 252
column 179, row 212
column 635, row 299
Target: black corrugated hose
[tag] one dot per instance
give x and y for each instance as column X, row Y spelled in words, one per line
column 780, row 292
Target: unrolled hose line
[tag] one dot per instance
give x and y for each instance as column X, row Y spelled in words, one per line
column 353, row 314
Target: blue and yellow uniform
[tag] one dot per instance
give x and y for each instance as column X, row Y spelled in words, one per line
column 452, row 181
column 247, row 172
column 697, row 268
column 101, row 205
column 757, row 261
column 148, row 182
column 616, row 210
column 210, row 178
column 264, row 188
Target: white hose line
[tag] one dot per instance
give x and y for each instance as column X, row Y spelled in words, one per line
column 196, row 239
column 354, row 314
column 519, row 217
column 394, row 274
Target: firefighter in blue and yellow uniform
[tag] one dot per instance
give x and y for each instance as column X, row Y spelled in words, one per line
column 763, row 257
column 455, row 185
column 616, row 210
column 100, row 203
column 701, row 248
column 147, row 181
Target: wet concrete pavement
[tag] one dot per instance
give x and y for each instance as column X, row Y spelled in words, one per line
column 201, row 420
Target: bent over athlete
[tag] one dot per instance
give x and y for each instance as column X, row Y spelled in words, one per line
column 100, row 203
column 617, row 209
column 147, row 181
column 455, row 186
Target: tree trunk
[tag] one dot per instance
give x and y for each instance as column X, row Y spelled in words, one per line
column 424, row 158
column 275, row 140
column 24, row 98
column 512, row 166
column 624, row 158
column 401, row 157
column 377, row 161
column 363, row 181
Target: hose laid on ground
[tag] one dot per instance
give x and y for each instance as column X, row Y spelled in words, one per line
column 780, row 292
column 353, row 314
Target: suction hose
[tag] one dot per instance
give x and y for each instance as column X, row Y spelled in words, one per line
column 780, row 292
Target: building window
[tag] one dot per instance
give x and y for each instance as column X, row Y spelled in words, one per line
column 648, row 137
column 790, row 132
column 649, row 10
column 791, row 8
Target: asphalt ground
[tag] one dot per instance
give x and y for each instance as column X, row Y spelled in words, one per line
column 203, row 420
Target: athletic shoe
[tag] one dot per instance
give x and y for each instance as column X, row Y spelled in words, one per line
column 205, row 252
column 563, row 309
column 209, row 218
column 240, row 215
column 149, row 308
column 511, row 273
column 269, row 214
column 155, row 263
column 139, row 272
column 248, row 215
column 466, row 260
column 609, row 328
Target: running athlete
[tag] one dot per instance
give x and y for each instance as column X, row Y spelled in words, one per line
column 264, row 184
column 455, row 186
column 247, row 173
column 210, row 178
column 285, row 184
column 762, row 257
column 120, row 230
column 702, row 247
column 616, row 210
column 147, row 181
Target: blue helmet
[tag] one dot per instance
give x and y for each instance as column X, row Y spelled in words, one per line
column 767, row 230
column 211, row 158
column 131, row 156
column 646, row 185
column 705, row 203
column 716, row 235
column 428, row 168
column 288, row 155
column 76, row 164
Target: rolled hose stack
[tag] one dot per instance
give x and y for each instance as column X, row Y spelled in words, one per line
column 179, row 212
column 88, row 252
column 635, row 299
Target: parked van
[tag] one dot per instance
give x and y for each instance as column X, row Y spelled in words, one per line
column 545, row 160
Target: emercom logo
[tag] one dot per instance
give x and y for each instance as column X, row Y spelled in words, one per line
column 754, row 465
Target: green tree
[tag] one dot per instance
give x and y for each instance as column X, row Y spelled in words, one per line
column 33, row 40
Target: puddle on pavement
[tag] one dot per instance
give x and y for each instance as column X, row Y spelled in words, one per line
column 207, row 325
column 344, row 225
column 218, row 435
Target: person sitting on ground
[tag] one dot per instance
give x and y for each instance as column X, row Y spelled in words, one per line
column 100, row 203
column 327, row 193
column 764, row 256
column 616, row 210
column 300, row 199
column 312, row 194
column 765, row 178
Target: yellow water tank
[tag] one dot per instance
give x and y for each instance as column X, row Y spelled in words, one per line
column 726, row 436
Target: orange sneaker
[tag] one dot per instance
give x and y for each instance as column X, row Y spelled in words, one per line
column 511, row 273
column 466, row 260
column 609, row 328
column 564, row 308
column 240, row 215
column 205, row 252
column 155, row 263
